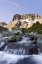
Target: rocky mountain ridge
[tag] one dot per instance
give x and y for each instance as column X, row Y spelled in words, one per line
column 24, row 21
column 30, row 17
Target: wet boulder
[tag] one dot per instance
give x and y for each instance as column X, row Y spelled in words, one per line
column 13, row 38
column 33, row 49
column 34, row 40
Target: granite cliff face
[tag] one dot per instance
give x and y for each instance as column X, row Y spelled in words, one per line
column 24, row 21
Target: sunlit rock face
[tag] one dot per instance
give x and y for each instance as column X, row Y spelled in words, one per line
column 30, row 17
column 24, row 21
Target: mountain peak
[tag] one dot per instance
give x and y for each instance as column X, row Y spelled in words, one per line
column 24, row 21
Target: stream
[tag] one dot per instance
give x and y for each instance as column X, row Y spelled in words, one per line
column 7, row 57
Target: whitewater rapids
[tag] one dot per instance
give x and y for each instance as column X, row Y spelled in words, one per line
column 6, row 58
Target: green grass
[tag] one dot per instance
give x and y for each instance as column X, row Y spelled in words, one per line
column 35, row 28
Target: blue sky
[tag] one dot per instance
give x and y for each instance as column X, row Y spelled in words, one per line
column 10, row 7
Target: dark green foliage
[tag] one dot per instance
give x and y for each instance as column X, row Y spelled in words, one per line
column 36, row 28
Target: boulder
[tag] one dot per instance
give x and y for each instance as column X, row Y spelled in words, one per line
column 33, row 50
column 13, row 38
column 34, row 40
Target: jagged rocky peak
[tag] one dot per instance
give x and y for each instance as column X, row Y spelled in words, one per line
column 16, row 17
column 37, row 16
column 24, row 21
column 30, row 17
column 2, row 24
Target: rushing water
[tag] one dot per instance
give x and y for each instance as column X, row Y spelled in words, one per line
column 20, row 50
column 7, row 58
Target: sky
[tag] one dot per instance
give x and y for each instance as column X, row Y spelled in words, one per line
column 8, row 8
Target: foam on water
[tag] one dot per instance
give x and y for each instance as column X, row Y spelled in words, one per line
column 6, row 58
column 11, row 58
column 25, row 40
column 1, row 44
column 2, row 41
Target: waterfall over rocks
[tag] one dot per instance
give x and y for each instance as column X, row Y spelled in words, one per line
column 20, row 52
